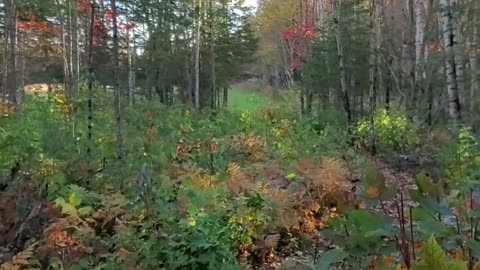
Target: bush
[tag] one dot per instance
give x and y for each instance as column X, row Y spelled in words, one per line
column 392, row 130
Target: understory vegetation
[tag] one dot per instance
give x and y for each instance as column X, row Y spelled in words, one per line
column 239, row 134
column 262, row 188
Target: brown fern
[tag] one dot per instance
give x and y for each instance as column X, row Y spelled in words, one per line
column 21, row 260
column 240, row 181
column 328, row 180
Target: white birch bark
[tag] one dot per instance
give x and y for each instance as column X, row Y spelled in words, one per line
column 449, row 40
column 419, row 42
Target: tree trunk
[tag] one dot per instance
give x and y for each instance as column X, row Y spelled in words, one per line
column 75, row 53
column 196, row 60
column 373, row 70
column 419, row 48
column 5, row 62
column 21, row 71
column 449, row 40
column 11, row 79
column 90, row 142
column 225, row 96
column 116, row 84
column 459, row 49
column 472, row 48
column 69, row 50
column 130, row 71
column 341, row 66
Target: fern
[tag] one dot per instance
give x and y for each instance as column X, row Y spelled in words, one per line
column 435, row 258
column 328, row 180
column 21, row 260
column 240, row 181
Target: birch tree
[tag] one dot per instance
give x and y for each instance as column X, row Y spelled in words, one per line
column 337, row 4
column 449, row 40
column 10, row 26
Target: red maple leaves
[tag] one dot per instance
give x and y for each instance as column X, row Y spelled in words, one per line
column 297, row 38
column 31, row 23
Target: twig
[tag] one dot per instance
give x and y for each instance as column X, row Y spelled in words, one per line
column 411, row 234
column 459, row 233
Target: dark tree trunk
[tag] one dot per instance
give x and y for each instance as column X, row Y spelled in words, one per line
column 116, row 84
column 90, row 85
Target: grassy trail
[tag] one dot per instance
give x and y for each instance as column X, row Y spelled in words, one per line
column 243, row 100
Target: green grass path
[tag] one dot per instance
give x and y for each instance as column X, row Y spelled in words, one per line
column 244, row 100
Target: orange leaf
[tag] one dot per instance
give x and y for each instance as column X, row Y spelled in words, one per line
column 388, row 260
column 373, row 192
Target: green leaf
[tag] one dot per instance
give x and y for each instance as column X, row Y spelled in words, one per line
column 423, row 183
column 59, row 202
column 373, row 177
column 434, row 258
column 474, row 246
column 57, row 179
column 388, row 193
column 74, row 199
column 330, row 257
column 69, row 209
column 291, row 176
column 434, row 255
column 457, row 265
column 85, row 211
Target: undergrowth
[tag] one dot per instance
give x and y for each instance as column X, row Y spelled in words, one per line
column 242, row 189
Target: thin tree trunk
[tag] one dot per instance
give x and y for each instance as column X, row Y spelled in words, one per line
column 21, row 71
column 459, row 49
column 225, row 97
column 341, row 66
column 213, row 59
column 419, row 48
column 66, row 45
column 69, row 50
column 90, row 142
column 373, row 70
column 389, row 85
column 5, row 63
column 197, row 54
column 449, row 40
column 473, row 47
column 11, row 79
column 130, row 71
column 75, row 53
column 116, row 84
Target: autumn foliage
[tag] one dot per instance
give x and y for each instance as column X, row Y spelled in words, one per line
column 297, row 39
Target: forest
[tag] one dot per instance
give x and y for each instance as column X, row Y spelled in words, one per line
column 233, row 134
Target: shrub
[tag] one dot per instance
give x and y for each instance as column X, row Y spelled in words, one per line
column 392, row 130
